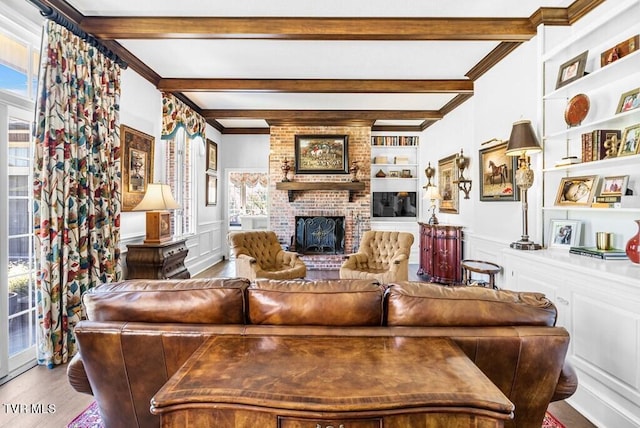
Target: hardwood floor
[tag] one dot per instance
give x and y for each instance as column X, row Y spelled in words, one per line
column 42, row 386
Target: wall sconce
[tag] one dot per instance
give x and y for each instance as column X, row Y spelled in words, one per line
column 429, row 172
column 463, row 183
column 432, row 194
column 156, row 202
column 523, row 142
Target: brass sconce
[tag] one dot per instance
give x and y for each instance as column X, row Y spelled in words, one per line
column 463, row 183
column 429, row 172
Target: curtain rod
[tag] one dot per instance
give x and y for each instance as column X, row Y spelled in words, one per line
column 52, row 14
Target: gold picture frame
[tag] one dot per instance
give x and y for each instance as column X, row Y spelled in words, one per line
column 136, row 161
column 577, row 191
column 447, row 173
column 572, row 70
column 322, row 154
column 630, row 142
column 497, row 174
column 629, row 101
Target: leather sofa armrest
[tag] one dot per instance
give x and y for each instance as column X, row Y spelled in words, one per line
column 78, row 376
column 567, row 383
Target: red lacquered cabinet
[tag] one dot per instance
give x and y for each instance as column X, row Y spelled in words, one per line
column 440, row 253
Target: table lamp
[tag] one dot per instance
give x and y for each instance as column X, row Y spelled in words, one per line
column 522, row 143
column 157, row 200
column 432, row 194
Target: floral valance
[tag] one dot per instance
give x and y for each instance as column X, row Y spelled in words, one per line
column 249, row 179
column 175, row 114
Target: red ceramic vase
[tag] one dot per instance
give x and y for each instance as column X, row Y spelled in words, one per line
column 633, row 246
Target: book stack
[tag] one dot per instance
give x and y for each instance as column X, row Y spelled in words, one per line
column 569, row 160
column 612, row 254
column 593, row 144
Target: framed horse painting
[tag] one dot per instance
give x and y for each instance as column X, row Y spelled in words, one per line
column 497, row 174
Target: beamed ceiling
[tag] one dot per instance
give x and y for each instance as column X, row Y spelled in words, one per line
column 249, row 64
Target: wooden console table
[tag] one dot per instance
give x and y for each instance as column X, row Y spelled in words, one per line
column 157, row 261
column 347, row 382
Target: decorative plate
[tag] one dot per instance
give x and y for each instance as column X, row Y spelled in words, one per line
column 577, row 109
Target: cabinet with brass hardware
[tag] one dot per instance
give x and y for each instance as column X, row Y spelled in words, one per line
column 440, row 253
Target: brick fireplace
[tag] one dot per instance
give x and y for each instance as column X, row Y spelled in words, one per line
column 320, row 203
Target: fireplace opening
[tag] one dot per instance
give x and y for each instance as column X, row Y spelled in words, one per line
column 319, row 235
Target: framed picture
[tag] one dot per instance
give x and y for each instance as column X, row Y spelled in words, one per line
column 394, row 173
column 212, row 190
column 630, row 144
column 629, row 101
column 212, row 156
column 614, row 186
column 406, row 173
column 497, row 174
column 572, row 70
column 620, row 50
column 565, row 233
column 136, row 164
column 577, row 190
column 447, row 173
column 322, row 154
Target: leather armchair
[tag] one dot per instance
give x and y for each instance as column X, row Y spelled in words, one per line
column 259, row 255
column 382, row 255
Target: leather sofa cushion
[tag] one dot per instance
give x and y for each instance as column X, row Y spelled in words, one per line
column 193, row 301
column 354, row 302
column 424, row 304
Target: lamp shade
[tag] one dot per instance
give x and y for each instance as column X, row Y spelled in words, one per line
column 432, row 193
column 523, row 140
column 157, row 197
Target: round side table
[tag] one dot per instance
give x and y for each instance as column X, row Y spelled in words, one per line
column 482, row 267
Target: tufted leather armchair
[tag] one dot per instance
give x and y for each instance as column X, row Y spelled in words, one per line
column 382, row 255
column 259, row 255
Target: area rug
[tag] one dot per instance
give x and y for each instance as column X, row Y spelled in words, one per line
column 90, row 418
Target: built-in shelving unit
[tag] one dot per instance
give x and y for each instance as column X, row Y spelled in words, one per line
column 603, row 85
column 598, row 301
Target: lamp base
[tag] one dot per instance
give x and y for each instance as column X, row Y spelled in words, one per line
column 525, row 245
column 433, row 219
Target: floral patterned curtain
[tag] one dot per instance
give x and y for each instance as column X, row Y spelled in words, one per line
column 77, row 191
column 175, row 114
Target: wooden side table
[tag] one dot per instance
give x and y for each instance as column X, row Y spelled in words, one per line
column 157, row 261
column 479, row 266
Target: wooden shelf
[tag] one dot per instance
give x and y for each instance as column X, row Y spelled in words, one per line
column 293, row 186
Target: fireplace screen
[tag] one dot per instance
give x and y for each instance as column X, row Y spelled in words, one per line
column 319, row 235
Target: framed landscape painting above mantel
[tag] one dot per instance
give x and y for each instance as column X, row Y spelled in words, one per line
column 322, row 154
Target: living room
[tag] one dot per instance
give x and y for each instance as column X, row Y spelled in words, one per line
column 597, row 300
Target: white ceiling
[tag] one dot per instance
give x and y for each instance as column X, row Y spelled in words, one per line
column 272, row 58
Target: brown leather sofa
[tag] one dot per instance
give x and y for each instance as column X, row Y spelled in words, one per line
column 139, row 332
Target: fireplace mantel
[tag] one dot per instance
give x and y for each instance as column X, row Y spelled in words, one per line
column 293, row 186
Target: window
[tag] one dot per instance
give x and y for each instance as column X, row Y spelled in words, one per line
column 19, row 63
column 180, row 177
column 247, row 195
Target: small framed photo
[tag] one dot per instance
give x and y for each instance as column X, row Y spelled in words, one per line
column 564, row 233
column 212, row 156
column 572, row 70
column 394, row 173
column 630, row 144
column 406, row 173
column 614, row 186
column 629, row 101
column 577, row 191
column 212, row 190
